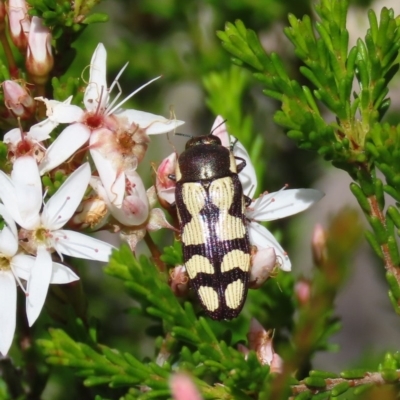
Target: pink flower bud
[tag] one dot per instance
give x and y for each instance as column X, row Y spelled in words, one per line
column 260, row 341
column 318, row 245
column 18, row 100
column 263, row 263
column 302, row 291
column 164, row 184
column 19, row 23
column 39, row 58
column 183, row 388
column 179, row 280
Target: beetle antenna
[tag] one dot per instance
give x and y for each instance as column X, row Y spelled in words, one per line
column 183, row 134
column 218, row 126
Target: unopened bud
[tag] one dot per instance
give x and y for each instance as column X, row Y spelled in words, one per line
column 302, row 290
column 183, row 388
column 18, row 100
column 263, row 263
column 179, row 281
column 39, row 58
column 19, row 23
column 318, row 245
column 260, row 341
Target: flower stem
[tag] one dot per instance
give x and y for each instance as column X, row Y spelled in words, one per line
column 155, row 252
column 12, row 67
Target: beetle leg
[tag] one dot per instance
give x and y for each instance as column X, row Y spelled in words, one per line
column 247, row 200
column 240, row 167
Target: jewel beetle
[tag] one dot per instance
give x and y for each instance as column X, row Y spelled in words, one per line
column 210, row 205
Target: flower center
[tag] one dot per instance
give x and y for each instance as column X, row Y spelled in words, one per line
column 41, row 235
column 94, row 120
column 4, row 263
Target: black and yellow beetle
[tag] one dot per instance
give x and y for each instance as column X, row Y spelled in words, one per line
column 210, row 205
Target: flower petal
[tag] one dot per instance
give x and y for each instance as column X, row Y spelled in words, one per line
column 38, row 284
column 27, row 186
column 13, row 136
column 282, row 204
column 153, row 124
column 112, row 180
column 67, row 143
column 76, row 244
column 62, row 205
column 22, row 265
column 8, row 310
column 247, row 176
column 62, row 274
column 263, row 238
column 8, row 242
column 96, row 91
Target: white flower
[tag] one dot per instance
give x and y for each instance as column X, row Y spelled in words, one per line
column 9, row 274
column 22, row 196
column 117, row 138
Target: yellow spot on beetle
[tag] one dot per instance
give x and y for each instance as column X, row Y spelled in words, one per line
column 234, row 294
column 195, row 231
column 198, row 264
column 235, row 259
column 221, row 195
column 209, row 297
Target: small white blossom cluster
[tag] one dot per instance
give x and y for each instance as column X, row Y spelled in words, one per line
column 33, row 233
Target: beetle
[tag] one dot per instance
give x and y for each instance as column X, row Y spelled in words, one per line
column 210, row 205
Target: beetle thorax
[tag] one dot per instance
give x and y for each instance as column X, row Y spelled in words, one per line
column 203, row 162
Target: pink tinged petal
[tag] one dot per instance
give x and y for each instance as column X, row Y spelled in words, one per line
column 166, row 186
column 183, row 388
column 39, row 58
column 96, row 91
column 282, row 204
column 153, row 124
column 62, row 205
column 70, row 140
column 19, row 22
column 62, row 274
column 38, row 284
column 18, row 100
column 22, row 265
column 158, row 220
column 219, row 129
column 28, row 190
column 8, row 310
column 263, row 238
column 76, row 244
column 13, row 136
column 247, row 176
column 262, row 265
column 113, row 180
